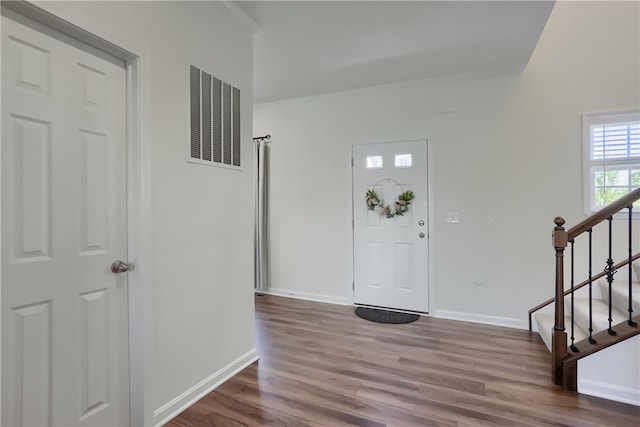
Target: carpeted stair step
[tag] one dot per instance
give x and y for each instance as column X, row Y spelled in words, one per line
column 600, row 310
column 545, row 326
column 620, row 295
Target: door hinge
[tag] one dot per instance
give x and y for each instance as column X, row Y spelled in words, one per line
column 353, row 224
column 353, row 286
column 352, row 162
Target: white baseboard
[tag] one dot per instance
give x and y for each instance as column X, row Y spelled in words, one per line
column 171, row 409
column 507, row 322
column 305, row 296
column 444, row 314
column 609, row 391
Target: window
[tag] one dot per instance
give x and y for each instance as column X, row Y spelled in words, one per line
column 374, row 162
column 403, row 161
column 611, row 157
column 214, row 120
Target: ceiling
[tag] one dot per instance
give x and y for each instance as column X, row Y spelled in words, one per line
column 307, row 48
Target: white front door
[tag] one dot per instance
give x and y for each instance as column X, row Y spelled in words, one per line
column 65, row 357
column 391, row 245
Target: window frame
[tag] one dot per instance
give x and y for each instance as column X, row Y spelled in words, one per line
column 603, row 118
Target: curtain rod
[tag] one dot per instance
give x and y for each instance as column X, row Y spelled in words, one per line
column 261, row 138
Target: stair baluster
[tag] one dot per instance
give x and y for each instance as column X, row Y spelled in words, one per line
column 573, row 346
column 610, row 270
column 591, row 339
column 630, row 219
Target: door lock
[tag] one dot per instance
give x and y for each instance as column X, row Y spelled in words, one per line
column 120, row 267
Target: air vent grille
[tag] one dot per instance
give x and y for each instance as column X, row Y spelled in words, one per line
column 236, row 127
column 214, row 120
column 195, row 112
column 226, row 123
column 206, row 117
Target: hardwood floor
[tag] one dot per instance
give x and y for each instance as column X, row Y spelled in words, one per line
column 320, row 365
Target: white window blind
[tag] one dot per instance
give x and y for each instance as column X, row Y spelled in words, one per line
column 615, row 141
column 612, row 157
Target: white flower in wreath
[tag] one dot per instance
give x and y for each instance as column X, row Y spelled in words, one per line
column 372, row 200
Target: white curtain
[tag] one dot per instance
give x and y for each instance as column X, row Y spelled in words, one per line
column 260, row 242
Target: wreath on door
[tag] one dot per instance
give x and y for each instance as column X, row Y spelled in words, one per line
column 399, row 208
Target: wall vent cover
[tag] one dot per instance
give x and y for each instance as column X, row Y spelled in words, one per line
column 214, row 120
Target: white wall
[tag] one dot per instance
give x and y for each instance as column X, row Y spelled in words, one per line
column 613, row 373
column 512, row 150
column 199, row 304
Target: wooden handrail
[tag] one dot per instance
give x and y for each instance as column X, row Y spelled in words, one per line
column 604, row 213
column 580, row 285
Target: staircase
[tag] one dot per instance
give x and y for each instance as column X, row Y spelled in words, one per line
column 602, row 310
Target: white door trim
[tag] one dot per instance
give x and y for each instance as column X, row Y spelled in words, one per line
column 139, row 230
column 430, row 223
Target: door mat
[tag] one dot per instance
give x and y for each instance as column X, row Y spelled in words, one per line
column 384, row 316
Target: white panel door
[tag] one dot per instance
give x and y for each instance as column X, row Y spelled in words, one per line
column 64, row 313
column 391, row 254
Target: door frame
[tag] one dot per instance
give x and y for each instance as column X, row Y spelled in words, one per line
column 139, row 232
column 430, row 217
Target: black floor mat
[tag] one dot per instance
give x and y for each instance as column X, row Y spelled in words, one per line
column 384, row 316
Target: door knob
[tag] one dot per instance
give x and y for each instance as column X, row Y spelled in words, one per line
column 120, row 267
column 421, row 235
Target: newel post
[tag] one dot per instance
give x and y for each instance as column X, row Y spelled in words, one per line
column 559, row 336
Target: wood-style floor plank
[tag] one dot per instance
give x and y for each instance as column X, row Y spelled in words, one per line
column 320, row 365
